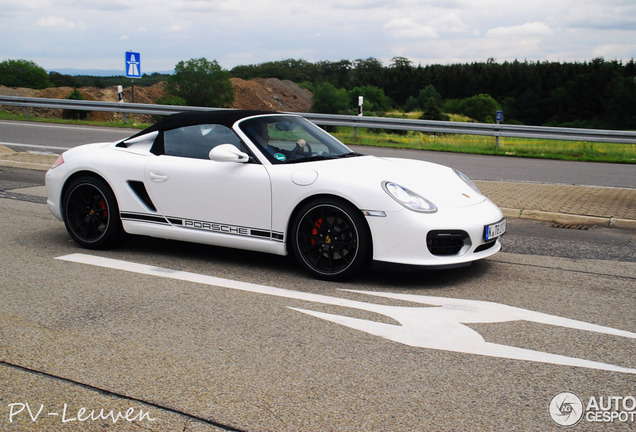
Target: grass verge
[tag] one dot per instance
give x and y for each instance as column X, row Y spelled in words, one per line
column 4, row 115
column 475, row 144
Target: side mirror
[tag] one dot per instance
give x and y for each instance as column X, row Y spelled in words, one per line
column 228, row 153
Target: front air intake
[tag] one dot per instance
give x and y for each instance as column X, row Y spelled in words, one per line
column 446, row 242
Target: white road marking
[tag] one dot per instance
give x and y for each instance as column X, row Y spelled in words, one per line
column 438, row 326
column 36, row 146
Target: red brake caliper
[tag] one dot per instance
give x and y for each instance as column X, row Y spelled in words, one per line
column 314, row 230
column 104, row 208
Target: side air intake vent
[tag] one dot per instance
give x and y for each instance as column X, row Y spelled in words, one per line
column 140, row 190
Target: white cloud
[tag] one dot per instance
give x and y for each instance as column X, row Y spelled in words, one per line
column 56, row 22
column 615, row 50
column 407, row 28
column 527, row 29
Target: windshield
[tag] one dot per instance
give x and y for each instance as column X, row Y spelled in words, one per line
column 290, row 139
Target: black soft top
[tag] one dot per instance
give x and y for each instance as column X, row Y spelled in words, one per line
column 221, row 117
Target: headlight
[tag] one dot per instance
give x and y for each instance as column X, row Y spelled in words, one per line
column 468, row 181
column 408, row 199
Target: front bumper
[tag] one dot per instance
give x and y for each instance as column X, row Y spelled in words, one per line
column 442, row 239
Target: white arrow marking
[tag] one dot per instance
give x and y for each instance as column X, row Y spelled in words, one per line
column 440, row 326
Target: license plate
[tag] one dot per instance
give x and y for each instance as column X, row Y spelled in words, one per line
column 495, row 230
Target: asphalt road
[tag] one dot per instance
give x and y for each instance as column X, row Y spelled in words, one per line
column 29, row 136
column 263, row 347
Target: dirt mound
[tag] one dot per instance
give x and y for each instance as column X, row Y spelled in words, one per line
column 147, row 95
column 17, row 91
column 269, row 94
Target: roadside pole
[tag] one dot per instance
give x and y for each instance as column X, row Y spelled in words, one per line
column 360, row 103
column 499, row 119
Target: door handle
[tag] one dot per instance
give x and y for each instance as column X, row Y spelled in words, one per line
column 158, row 176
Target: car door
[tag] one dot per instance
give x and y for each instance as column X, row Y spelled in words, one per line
column 201, row 194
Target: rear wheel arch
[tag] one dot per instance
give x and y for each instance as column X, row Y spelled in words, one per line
column 94, row 221
column 77, row 175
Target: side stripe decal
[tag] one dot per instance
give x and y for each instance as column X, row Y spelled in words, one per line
column 215, row 227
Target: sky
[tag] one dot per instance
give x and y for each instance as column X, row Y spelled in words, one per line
column 95, row 34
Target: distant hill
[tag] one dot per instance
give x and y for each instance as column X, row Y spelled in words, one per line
column 101, row 72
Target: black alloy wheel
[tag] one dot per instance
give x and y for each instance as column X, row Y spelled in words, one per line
column 91, row 214
column 330, row 239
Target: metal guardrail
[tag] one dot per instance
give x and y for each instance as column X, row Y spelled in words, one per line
column 428, row 126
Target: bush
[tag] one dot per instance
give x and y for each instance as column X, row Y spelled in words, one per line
column 201, row 83
column 481, row 107
column 327, row 99
column 375, row 100
column 23, row 73
column 75, row 114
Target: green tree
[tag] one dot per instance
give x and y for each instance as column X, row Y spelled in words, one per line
column 412, row 104
column 201, row 83
column 328, row 99
column 337, row 73
column 597, row 93
column 374, row 99
column 427, row 93
column 367, row 72
column 23, row 73
column 399, row 80
column 432, row 111
column 481, row 107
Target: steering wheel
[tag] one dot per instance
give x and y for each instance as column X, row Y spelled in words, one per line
column 302, row 146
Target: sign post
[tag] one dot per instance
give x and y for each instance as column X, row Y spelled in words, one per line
column 499, row 119
column 133, row 70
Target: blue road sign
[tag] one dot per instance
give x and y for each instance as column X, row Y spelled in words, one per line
column 499, row 116
column 133, row 65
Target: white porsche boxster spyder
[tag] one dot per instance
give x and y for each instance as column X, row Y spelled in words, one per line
column 273, row 183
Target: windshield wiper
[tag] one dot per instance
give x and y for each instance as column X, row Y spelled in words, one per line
column 324, row 157
column 313, row 158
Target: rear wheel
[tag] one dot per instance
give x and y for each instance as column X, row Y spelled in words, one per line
column 330, row 239
column 91, row 214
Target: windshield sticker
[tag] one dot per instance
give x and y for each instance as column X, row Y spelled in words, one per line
column 279, row 156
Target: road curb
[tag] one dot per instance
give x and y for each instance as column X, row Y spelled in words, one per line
column 14, row 159
column 25, row 165
column 565, row 218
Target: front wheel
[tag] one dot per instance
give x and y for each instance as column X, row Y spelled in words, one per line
column 330, row 239
column 91, row 214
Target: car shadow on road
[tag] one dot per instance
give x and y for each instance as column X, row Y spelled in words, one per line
column 267, row 268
